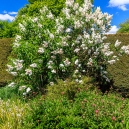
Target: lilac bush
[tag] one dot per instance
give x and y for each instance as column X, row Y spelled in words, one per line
column 70, row 45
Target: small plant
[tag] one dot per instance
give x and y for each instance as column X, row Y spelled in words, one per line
column 11, row 113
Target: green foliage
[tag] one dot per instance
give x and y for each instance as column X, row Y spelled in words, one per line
column 8, row 92
column 7, row 29
column 88, row 109
column 124, row 27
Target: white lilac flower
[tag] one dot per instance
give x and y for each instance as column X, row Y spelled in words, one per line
column 34, row 65
column 53, row 71
column 61, row 65
column 60, row 28
column 28, row 72
column 117, row 43
column 108, row 53
column 68, row 30
column 53, row 57
column 22, row 28
column 66, row 11
column 76, row 50
column 35, row 19
column 51, row 83
column 67, row 62
column 127, row 52
column 80, row 81
column 18, row 66
column 77, row 24
column 11, row 84
column 90, row 63
column 83, row 71
column 22, row 87
column 18, row 37
column 13, row 73
column 76, row 62
column 41, row 50
column 76, row 71
column 76, row 80
column 50, row 15
column 39, row 25
column 69, row 3
column 50, row 62
column 50, row 67
column 111, row 61
column 43, row 10
column 60, row 51
column 16, row 45
column 24, row 94
column 10, row 67
column 51, row 36
column 28, row 90
column 75, row 7
column 45, row 44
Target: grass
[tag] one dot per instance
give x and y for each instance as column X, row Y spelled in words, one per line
column 11, row 113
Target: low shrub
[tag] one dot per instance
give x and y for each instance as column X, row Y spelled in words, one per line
column 88, row 109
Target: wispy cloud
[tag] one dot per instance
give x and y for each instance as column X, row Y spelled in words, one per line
column 113, row 30
column 6, row 17
column 121, row 4
column 12, row 13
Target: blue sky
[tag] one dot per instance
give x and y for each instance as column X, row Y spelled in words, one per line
column 118, row 8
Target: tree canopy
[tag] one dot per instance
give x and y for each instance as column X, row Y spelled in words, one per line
column 9, row 29
column 124, row 27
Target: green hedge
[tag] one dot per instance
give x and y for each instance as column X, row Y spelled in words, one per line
column 120, row 70
column 5, row 49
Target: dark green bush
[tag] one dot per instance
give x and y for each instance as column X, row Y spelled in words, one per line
column 120, row 71
column 5, row 49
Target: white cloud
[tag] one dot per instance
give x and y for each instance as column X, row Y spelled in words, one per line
column 113, row 30
column 122, row 7
column 4, row 11
column 12, row 13
column 121, row 4
column 6, row 17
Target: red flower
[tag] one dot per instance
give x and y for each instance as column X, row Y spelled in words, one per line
column 113, row 118
column 96, row 111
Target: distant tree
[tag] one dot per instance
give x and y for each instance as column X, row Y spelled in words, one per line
column 124, row 27
column 7, row 29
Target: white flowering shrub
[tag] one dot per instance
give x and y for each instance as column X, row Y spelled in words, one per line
column 70, row 45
